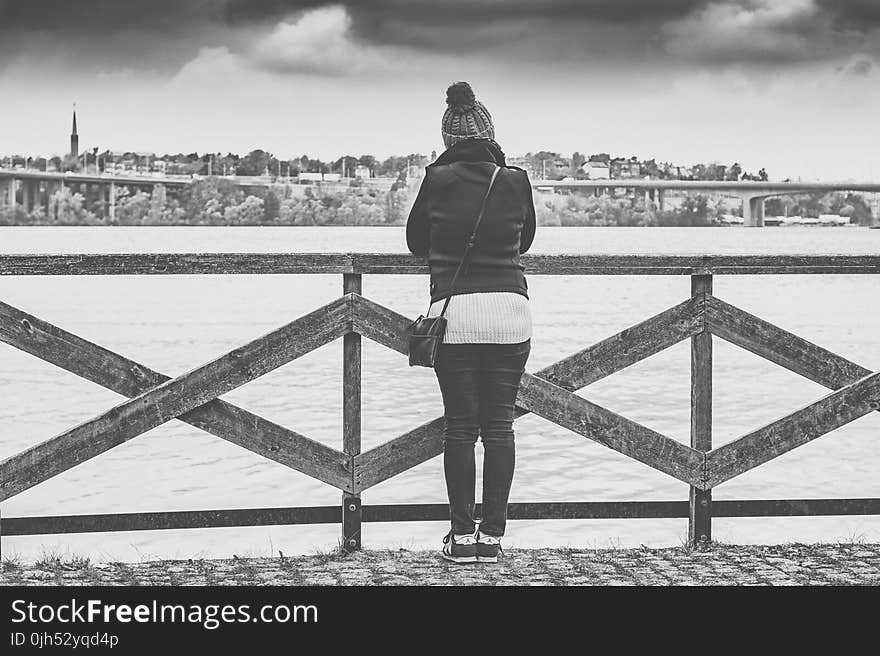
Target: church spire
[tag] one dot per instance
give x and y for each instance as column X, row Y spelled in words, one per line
column 74, row 137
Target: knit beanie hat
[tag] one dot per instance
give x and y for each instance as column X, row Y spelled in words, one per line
column 465, row 117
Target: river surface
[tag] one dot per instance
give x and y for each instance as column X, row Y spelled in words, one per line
column 175, row 323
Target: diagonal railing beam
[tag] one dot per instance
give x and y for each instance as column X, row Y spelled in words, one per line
column 589, row 365
column 129, row 378
column 611, row 429
column 631, row 345
column 380, row 324
column 170, row 398
column 800, row 427
column 780, row 346
column 627, row 347
column 398, row 455
column 388, row 328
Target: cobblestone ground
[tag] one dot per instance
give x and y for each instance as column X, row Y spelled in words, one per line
column 791, row 564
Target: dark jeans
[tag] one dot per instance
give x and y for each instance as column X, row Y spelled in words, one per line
column 479, row 383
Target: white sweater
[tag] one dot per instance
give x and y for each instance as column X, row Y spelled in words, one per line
column 486, row 318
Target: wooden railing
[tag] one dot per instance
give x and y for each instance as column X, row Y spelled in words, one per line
column 154, row 398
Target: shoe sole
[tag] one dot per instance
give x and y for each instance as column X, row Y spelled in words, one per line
column 487, row 559
column 459, row 559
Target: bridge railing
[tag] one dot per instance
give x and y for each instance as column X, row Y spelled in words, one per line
column 154, row 398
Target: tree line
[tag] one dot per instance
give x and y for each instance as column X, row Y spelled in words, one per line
column 258, row 162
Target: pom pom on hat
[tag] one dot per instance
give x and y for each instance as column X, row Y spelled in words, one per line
column 465, row 116
column 460, row 97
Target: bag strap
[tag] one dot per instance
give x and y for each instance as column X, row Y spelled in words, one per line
column 470, row 239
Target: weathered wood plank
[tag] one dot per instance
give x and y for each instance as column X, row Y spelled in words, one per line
column 632, row 509
column 795, row 507
column 610, row 429
column 398, row 455
column 129, row 378
column 695, row 264
column 173, row 398
column 627, row 347
column 780, row 346
column 401, row 263
column 180, row 519
column 781, row 436
column 421, row 512
column 351, row 415
column 175, row 264
column 381, row 324
column 537, row 510
column 351, row 373
column 700, row 501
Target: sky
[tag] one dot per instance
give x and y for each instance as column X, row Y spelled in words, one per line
column 790, row 85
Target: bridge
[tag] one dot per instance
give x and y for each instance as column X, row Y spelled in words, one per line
column 30, row 188
column 752, row 193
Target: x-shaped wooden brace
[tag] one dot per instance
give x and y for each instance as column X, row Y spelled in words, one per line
column 549, row 394
column 857, row 391
column 192, row 397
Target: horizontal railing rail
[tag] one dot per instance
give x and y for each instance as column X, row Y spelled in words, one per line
column 154, row 398
column 396, row 263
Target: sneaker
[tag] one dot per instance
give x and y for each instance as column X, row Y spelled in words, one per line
column 488, row 548
column 460, row 549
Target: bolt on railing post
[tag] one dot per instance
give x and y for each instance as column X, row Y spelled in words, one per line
column 700, row 501
column 351, row 420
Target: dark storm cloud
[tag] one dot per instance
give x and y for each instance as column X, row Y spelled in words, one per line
column 370, row 16
column 96, row 16
column 97, row 35
column 456, row 12
column 853, row 14
column 449, row 26
column 162, row 34
column 101, row 16
column 167, row 33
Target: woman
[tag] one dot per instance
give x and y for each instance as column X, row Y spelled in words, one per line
column 489, row 329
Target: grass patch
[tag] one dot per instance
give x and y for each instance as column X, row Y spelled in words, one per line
column 334, row 554
column 77, row 563
column 126, row 573
column 10, row 564
column 48, row 560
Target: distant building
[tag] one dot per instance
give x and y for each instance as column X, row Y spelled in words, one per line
column 626, row 168
column 673, row 170
column 596, row 170
column 118, row 161
column 562, row 163
column 74, row 137
column 362, row 171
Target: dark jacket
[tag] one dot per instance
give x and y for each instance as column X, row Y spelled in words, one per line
column 446, row 209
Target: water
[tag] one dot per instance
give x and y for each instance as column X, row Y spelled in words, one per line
column 176, row 323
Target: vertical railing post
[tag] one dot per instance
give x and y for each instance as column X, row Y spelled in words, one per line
column 700, row 501
column 351, row 420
